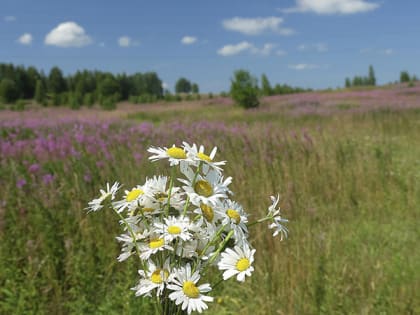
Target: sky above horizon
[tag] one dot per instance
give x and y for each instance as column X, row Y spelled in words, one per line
column 306, row 43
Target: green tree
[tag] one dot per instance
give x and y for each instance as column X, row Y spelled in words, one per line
column 404, row 77
column 9, row 92
column 348, row 83
column 183, row 86
column 244, row 89
column 56, row 81
column 371, row 76
column 195, row 89
column 266, row 88
column 109, row 87
column 39, row 92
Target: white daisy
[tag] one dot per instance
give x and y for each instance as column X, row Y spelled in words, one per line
column 186, row 291
column 131, row 200
column 237, row 262
column 155, row 244
column 154, row 278
column 276, row 218
column 157, row 186
column 173, row 154
column 197, row 154
column 174, row 228
column 208, row 189
column 235, row 218
column 109, row 192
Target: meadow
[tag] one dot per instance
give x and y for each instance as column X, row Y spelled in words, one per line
column 346, row 165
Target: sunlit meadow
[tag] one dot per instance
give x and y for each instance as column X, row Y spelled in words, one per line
column 346, row 165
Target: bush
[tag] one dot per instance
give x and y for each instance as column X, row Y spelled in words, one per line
column 108, row 103
column 244, row 89
column 9, row 92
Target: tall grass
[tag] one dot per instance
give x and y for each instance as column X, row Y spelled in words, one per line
column 350, row 185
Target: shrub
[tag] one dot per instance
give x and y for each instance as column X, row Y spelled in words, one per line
column 244, row 89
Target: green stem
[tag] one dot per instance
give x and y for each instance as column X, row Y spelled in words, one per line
column 221, row 246
column 259, row 221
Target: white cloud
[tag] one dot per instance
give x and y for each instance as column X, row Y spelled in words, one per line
column 230, row 50
column 388, row 51
column 303, row 66
column 68, row 34
column 188, row 40
column 101, row 44
column 126, row 41
column 10, row 18
column 25, row 39
column 332, row 6
column 256, row 26
column 281, row 52
column 165, row 85
column 318, row 47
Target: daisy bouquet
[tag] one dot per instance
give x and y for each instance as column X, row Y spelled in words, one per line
column 183, row 228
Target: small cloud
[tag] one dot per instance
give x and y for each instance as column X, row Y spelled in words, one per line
column 101, row 44
column 25, row 39
column 10, row 18
column 68, row 34
column 332, row 6
column 265, row 50
column 188, row 40
column 230, row 50
column 126, row 41
column 318, row 47
column 281, row 53
column 256, row 26
column 235, row 49
column 388, row 51
column 303, row 66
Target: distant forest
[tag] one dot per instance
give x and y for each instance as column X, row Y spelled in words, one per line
column 18, row 84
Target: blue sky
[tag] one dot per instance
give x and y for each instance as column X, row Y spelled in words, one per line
column 307, row 43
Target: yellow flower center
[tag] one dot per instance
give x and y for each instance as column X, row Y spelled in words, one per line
column 203, row 188
column 156, row 243
column 176, row 153
column 190, row 290
column 207, row 212
column 242, row 264
column 204, row 157
column 134, row 194
column 173, row 229
column 234, row 215
column 156, row 276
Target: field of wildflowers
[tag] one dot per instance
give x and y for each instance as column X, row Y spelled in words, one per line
column 346, row 166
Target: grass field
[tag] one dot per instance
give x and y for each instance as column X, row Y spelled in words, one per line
column 347, row 168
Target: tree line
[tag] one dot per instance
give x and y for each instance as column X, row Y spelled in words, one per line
column 370, row 79
column 83, row 87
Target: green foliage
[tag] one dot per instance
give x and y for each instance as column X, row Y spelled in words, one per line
column 9, row 92
column 404, row 77
column 369, row 80
column 195, row 89
column 56, row 81
column 89, row 99
column 182, row 86
column 244, row 89
column 39, row 92
column 266, row 88
column 108, row 103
